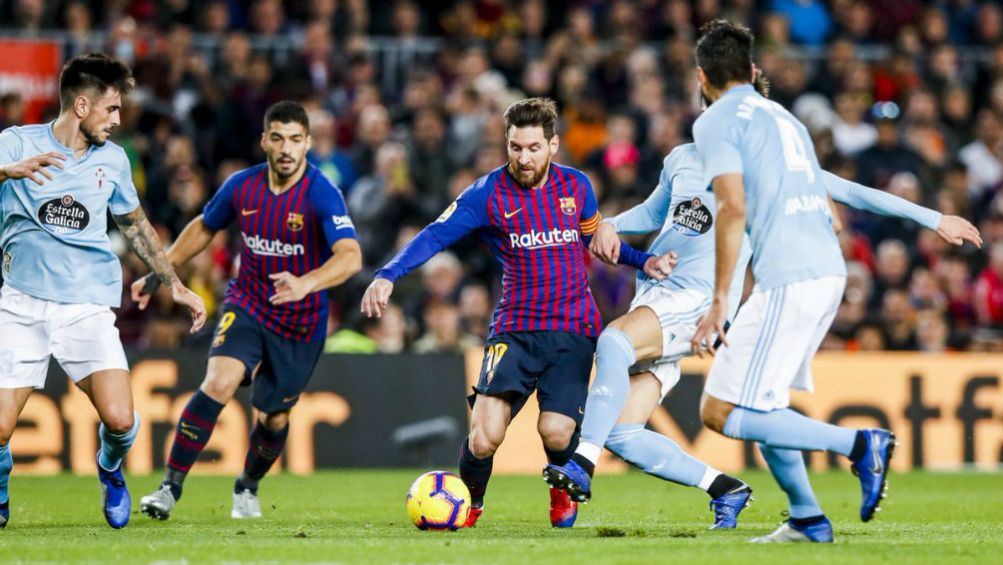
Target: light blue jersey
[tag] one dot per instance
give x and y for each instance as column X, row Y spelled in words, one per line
column 55, row 236
column 683, row 207
column 788, row 218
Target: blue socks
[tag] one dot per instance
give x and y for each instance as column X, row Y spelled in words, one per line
column 6, row 465
column 614, row 356
column 658, row 455
column 115, row 446
column 787, row 467
column 788, row 429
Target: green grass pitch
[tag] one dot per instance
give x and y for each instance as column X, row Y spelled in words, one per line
column 359, row 517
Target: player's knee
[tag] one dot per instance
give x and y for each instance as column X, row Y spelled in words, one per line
column 713, row 414
column 219, row 389
column 484, row 444
column 556, row 435
column 6, row 430
column 118, row 420
column 275, row 421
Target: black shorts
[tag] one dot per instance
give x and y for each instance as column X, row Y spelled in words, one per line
column 555, row 364
column 284, row 365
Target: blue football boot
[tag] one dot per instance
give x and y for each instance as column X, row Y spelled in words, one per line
column 728, row 506
column 115, row 500
column 872, row 470
column 570, row 478
column 819, row 532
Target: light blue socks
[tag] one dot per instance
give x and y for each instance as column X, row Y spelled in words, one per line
column 788, row 429
column 659, row 456
column 115, row 446
column 614, row 356
column 787, row 467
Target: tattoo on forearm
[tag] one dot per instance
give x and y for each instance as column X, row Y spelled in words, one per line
column 143, row 240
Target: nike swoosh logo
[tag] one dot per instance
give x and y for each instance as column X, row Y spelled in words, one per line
column 289, row 399
column 248, row 212
column 878, row 465
column 510, row 214
column 581, row 410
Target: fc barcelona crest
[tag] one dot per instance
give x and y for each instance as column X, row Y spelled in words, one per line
column 568, row 205
column 294, row 221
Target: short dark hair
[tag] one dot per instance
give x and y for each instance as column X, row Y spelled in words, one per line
column 93, row 72
column 531, row 112
column 286, row 112
column 724, row 52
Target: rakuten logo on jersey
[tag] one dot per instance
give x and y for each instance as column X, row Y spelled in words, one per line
column 538, row 240
column 272, row 248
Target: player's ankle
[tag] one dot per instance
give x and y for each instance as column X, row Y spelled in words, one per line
column 584, row 463
column 722, row 485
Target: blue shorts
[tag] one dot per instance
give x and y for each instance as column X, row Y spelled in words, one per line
column 557, row 365
column 279, row 368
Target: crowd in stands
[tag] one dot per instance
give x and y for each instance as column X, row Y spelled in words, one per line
column 901, row 95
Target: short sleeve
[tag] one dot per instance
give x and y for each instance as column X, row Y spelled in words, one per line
column 590, row 217
column 124, row 198
column 332, row 213
column 717, row 144
column 10, row 147
column 219, row 211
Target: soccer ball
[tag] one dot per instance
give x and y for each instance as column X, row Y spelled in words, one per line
column 438, row 500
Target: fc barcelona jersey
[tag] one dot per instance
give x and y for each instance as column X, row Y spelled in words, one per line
column 292, row 231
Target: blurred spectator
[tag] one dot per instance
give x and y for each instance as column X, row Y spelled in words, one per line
column 989, row 290
column 383, row 199
column 325, row 155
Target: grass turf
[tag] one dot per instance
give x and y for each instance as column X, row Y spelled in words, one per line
column 359, row 517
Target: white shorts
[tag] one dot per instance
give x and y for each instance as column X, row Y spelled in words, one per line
column 772, row 342
column 82, row 337
column 678, row 312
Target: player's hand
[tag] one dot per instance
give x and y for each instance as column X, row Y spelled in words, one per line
column 34, row 168
column 660, row 266
column 956, row 230
column 143, row 290
column 606, row 244
column 710, row 328
column 288, row 288
column 184, row 296
column 376, row 298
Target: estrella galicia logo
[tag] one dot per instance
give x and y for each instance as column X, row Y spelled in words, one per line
column 64, row 215
column 692, row 218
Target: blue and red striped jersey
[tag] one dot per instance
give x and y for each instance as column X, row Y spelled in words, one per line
column 292, row 231
column 538, row 236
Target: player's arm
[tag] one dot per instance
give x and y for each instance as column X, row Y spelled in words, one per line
column 13, row 167
column 331, row 214
column 615, row 251
column 644, row 218
column 952, row 229
column 722, row 163
column 145, row 243
column 345, row 262
column 217, row 213
column 463, row 216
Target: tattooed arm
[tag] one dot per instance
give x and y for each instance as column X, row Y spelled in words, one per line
column 145, row 243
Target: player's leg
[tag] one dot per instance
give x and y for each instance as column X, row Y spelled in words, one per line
column 86, row 345
column 506, row 381
column 489, row 419
column 237, row 349
column 636, row 335
column 267, row 441
column 282, row 377
column 111, row 394
column 562, row 389
column 12, row 401
column 24, row 362
column 661, row 457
